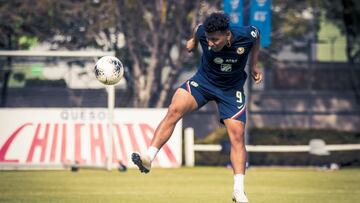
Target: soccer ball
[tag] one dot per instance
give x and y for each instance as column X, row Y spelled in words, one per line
column 109, row 70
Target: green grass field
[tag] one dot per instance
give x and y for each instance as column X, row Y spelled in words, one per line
column 184, row 185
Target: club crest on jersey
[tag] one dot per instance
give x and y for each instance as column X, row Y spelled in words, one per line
column 240, row 50
column 218, row 60
column 226, row 67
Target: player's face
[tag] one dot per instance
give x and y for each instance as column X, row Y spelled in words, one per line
column 216, row 40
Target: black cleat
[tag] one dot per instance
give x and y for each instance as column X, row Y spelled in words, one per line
column 142, row 162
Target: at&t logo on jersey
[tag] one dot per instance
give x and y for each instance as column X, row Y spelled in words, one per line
column 231, row 60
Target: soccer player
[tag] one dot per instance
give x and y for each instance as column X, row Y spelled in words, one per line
column 220, row 78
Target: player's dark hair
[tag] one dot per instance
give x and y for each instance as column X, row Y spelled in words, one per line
column 216, row 22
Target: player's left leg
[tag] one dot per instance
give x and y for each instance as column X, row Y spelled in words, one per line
column 235, row 129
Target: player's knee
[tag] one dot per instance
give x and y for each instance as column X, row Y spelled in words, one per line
column 174, row 112
column 238, row 142
column 237, row 137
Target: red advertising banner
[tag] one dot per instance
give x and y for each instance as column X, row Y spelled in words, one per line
column 55, row 137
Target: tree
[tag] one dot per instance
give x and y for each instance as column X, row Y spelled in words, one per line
column 346, row 15
column 294, row 25
column 26, row 23
column 155, row 33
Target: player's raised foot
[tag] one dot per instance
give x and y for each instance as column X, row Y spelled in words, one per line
column 142, row 161
column 239, row 197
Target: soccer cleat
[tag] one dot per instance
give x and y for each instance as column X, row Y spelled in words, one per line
column 239, row 197
column 142, row 161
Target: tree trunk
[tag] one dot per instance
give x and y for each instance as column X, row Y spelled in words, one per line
column 7, row 74
column 171, row 79
column 350, row 23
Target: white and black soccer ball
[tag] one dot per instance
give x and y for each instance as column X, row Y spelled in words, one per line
column 109, row 70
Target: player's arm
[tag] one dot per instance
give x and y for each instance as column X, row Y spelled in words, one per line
column 192, row 43
column 255, row 70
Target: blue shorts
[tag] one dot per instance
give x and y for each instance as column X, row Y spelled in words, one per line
column 230, row 102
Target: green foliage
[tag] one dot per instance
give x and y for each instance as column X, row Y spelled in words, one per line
column 346, row 15
column 150, row 29
column 70, row 24
column 27, row 42
column 331, row 44
column 293, row 25
column 23, row 18
column 144, row 33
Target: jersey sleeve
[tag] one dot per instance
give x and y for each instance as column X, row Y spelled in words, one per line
column 254, row 32
column 200, row 32
column 200, row 35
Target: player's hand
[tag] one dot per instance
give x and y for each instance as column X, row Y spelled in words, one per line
column 256, row 74
column 190, row 45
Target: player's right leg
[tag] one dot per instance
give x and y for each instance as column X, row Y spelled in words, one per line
column 182, row 103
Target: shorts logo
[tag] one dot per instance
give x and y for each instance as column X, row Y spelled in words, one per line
column 193, row 83
column 218, row 60
column 240, row 50
column 226, row 67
